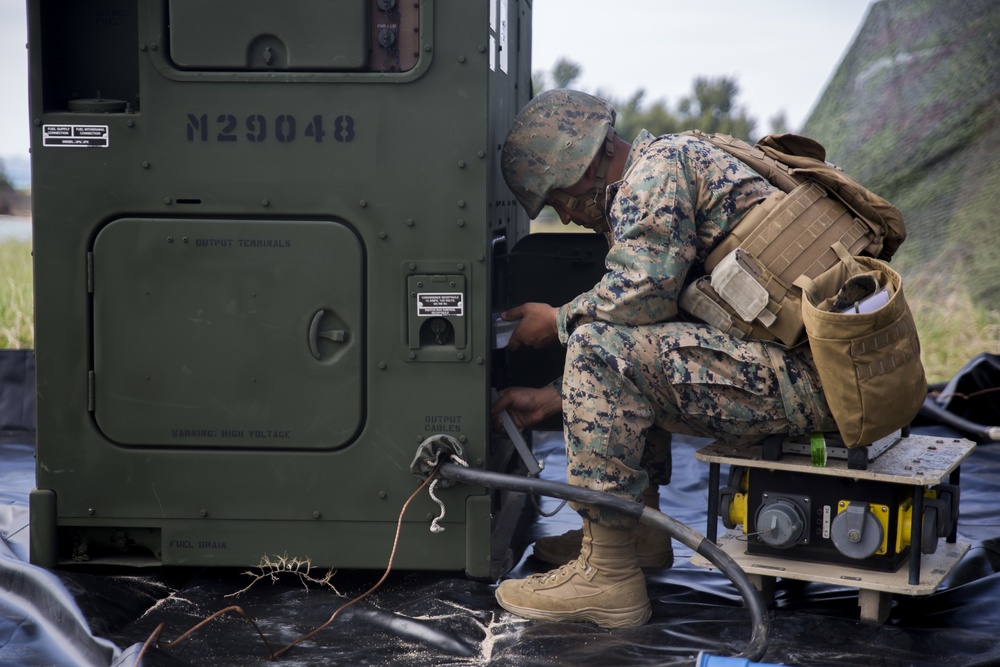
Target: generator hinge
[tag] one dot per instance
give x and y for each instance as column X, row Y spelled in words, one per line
column 90, row 391
column 90, row 273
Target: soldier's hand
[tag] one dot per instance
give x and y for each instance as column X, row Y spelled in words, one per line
column 537, row 327
column 527, row 406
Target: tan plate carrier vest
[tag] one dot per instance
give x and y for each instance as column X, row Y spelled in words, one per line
column 749, row 291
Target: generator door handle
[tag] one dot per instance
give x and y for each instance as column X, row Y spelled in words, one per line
column 336, row 335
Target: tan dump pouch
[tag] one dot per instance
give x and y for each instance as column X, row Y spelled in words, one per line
column 869, row 362
column 782, row 238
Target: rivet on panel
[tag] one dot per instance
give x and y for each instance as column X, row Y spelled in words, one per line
column 381, row 365
column 461, row 164
column 145, row 164
column 461, row 59
column 363, row 203
column 168, row 201
column 409, row 222
column 265, row 202
column 461, row 222
column 382, row 235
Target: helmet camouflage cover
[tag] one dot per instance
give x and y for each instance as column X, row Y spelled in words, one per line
column 554, row 139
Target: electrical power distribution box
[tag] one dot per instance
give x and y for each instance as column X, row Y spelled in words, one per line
column 889, row 527
column 269, row 240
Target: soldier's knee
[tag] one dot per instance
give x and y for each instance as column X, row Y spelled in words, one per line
column 588, row 338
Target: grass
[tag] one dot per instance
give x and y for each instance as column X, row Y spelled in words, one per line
column 953, row 328
column 17, row 306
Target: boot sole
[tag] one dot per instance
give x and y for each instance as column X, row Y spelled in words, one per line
column 629, row 617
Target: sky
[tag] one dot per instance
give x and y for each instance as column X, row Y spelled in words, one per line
column 781, row 52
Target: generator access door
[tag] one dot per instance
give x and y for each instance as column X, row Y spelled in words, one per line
column 228, row 333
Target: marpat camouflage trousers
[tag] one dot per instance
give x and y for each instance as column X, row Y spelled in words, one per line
column 624, row 385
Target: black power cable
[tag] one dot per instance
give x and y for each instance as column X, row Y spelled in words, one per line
column 751, row 596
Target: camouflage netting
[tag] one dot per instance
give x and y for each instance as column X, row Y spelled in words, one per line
column 913, row 112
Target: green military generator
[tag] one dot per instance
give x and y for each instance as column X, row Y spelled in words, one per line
column 269, row 241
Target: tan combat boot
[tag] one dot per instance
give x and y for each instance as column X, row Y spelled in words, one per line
column 604, row 585
column 652, row 545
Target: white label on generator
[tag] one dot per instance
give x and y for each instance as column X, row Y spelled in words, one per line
column 503, row 36
column 826, row 522
column 440, row 304
column 75, row 136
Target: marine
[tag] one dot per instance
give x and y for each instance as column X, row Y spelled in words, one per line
column 637, row 369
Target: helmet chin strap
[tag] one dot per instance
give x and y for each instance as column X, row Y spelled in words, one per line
column 595, row 204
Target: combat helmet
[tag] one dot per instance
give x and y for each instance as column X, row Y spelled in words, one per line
column 554, row 139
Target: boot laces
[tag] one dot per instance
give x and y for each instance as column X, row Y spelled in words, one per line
column 561, row 572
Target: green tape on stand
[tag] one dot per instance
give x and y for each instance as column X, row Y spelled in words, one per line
column 817, row 447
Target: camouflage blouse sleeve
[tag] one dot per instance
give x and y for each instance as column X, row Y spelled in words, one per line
column 653, row 217
column 680, row 196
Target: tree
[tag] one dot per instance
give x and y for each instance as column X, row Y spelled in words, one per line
column 5, row 182
column 565, row 73
column 632, row 117
column 779, row 123
column 712, row 108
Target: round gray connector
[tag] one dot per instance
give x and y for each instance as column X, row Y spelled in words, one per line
column 780, row 524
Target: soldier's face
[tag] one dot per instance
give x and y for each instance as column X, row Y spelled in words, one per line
column 572, row 206
column 580, row 216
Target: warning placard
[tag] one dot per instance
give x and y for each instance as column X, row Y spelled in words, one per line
column 75, row 136
column 440, row 304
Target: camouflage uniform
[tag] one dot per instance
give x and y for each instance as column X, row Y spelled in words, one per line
column 632, row 365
